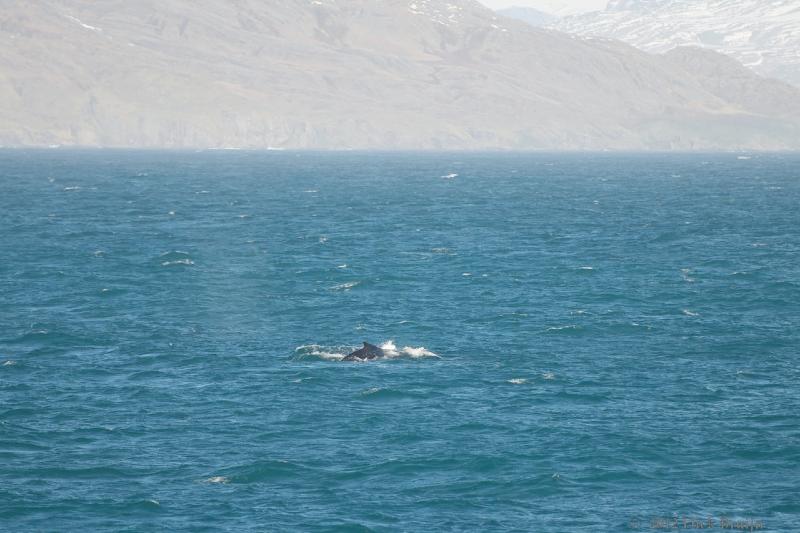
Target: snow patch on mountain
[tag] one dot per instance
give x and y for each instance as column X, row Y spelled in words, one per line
column 763, row 35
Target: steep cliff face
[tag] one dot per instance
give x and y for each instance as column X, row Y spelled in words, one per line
column 341, row 74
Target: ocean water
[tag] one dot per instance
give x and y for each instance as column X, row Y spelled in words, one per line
column 575, row 342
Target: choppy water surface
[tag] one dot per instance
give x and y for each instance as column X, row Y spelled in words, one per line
column 576, row 343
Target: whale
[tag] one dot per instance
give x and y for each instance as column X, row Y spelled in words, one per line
column 366, row 353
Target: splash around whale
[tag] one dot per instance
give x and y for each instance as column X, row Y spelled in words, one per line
column 368, row 352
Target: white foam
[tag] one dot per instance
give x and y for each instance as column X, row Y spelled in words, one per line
column 561, row 328
column 517, row 381
column 186, row 262
column 217, row 480
column 450, row 176
column 345, row 286
column 328, row 353
column 690, row 313
column 373, row 390
column 548, row 375
column 9, row 363
column 416, row 353
column 391, row 351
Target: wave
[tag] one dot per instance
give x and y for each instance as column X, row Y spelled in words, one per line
column 339, row 352
column 185, row 262
column 345, row 286
column 175, row 258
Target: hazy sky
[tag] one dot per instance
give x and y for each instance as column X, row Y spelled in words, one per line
column 571, row 6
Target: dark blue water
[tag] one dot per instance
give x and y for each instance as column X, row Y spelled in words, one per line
column 615, row 337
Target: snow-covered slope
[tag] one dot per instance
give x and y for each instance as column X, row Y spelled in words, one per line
column 762, row 34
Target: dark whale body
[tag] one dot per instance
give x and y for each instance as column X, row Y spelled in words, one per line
column 369, row 351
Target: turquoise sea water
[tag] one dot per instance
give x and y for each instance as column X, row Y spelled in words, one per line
column 580, row 342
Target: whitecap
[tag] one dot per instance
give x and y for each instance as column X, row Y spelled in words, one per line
column 548, row 375
column 562, row 328
column 9, row 363
column 450, row 176
column 345, row 286
column 171, row 213
column 518, row 381
column 72, row 188
column 373, row 390
column 185, row 262
column 467, row 274
column 343, row 265
column 690, row 313
column 217, row 480
column 323, row 240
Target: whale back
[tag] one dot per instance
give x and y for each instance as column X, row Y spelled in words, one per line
column 368, row 351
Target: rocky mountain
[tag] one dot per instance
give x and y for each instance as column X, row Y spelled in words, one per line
column 529, row 15
column 562, row 8
column 761, row 34
column 357, row 74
